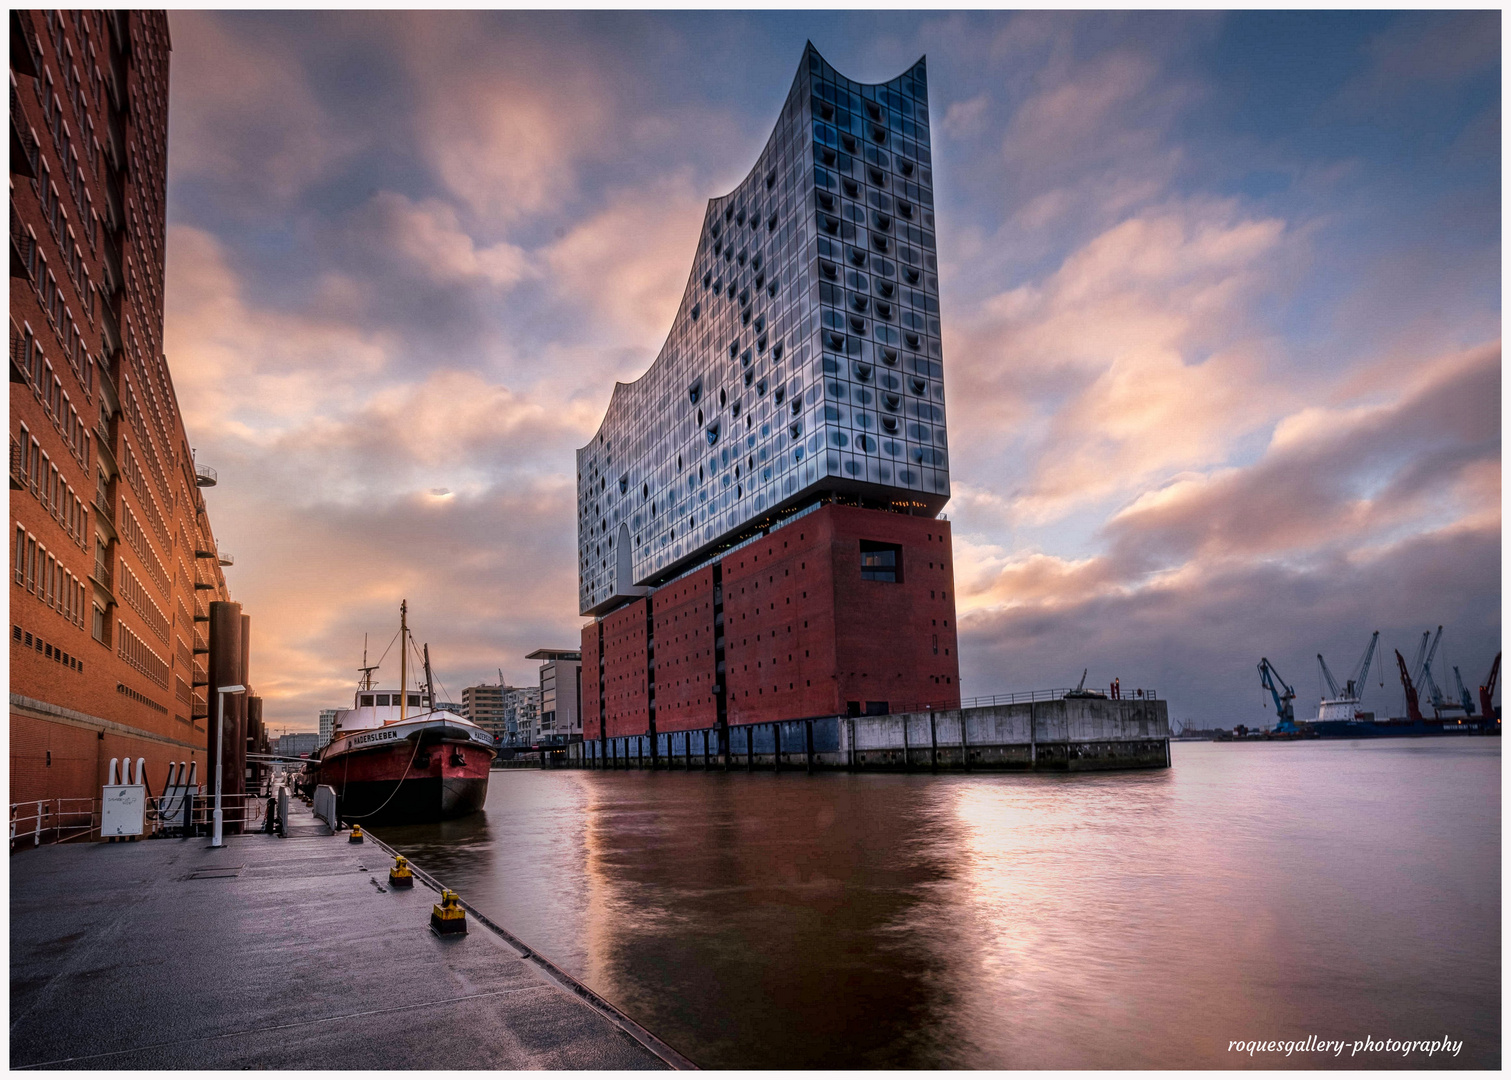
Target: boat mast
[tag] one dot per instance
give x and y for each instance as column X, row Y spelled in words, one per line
column 403, row 656
column 366, row 669
column 429, row 682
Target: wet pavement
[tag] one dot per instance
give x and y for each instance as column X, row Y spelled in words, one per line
column 279, row 953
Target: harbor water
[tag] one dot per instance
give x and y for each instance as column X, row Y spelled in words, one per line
column 1270, row 891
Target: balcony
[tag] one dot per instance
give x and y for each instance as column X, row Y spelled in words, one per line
column 204, row 476
column 200, row 647
column 23, row 249
column 102, row 576
column 17, row 466
column 225, row 558
column 203, row 585
column 23, row 48
column 24, row 151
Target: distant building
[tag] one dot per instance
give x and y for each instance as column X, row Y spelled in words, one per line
column 298, row 744
column 450, row 706
column 522, row 714
column 560, row 694
column 327, row 725
column 484, row 706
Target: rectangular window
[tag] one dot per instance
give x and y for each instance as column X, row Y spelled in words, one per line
column 31, row 564
column 98, row 631
column 880, row 562
column 20, row 555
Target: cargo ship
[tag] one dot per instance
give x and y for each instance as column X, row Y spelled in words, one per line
column 394, row 759
column 1339, row 715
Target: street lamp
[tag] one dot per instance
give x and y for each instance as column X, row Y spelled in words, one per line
column 216, row 839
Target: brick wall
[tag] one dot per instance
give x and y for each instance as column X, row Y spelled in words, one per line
column 625, row 692
column 685, row 678
column 805, row 634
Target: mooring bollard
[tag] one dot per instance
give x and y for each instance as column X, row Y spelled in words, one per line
column 448, row 917
column 356, row 836
column 399, row 875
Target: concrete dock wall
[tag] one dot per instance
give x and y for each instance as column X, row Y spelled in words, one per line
column 1065, row 734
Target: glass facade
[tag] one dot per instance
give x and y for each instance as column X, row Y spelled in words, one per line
column 805, row 357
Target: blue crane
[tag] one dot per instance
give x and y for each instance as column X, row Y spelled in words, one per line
column 1283, row 694
column 1463, row 693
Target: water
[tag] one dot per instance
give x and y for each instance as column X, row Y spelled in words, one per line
column 1144, row 919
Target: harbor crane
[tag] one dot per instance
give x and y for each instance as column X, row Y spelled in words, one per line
column 1487, row 691
column 1463, row 694
column 1354, row 688
column 1440, row 702
column 1413, row 710
column 1284, row 696
column 1416, row 665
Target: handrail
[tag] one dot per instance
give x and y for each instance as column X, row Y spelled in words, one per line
column 40, row 817
column 1026, row 696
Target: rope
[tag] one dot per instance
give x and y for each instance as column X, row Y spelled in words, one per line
column 370, row 813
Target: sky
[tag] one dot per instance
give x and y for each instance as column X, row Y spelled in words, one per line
column 1220, row 296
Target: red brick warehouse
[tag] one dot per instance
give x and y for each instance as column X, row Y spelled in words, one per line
column 758, row 515
column 114, row 565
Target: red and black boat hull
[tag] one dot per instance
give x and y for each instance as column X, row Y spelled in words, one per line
column 401, row 783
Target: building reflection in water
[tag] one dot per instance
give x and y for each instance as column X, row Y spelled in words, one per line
column 1131, row 919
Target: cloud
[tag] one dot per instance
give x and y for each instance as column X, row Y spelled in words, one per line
column 243, row 114
column 430, row 234
column 1355, row 517
column 412, row 253
column 1139, row 352
column 629, row 263
column 504, row 115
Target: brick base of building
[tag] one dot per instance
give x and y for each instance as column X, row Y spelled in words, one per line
column 786, row 626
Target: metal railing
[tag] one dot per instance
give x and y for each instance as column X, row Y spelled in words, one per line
column 18, row 476
column 1025, row 696
column 52, row 821
column 56, row 821
column 30, row 148
column 204, row 476
column 239, row 813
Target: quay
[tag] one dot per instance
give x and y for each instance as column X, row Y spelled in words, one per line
column 281, row 952
column 1065, row 733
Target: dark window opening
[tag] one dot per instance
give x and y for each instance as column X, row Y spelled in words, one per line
column 880, row 562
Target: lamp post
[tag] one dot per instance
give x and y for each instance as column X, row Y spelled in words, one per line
column 216, row 839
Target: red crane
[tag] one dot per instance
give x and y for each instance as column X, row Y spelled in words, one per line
column 1487, row 691
column 1413, row 710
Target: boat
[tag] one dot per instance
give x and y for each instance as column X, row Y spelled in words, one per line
column 395, row 759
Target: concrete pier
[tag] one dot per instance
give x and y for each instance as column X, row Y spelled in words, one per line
column 280, row 953
column 1066, row 734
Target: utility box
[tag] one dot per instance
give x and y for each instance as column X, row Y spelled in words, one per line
column 123, row 810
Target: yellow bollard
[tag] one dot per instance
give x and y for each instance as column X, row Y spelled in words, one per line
column 448, row 917
column 399, row 875
column 356, row 836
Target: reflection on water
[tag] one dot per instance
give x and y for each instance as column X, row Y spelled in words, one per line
column 1269, row 891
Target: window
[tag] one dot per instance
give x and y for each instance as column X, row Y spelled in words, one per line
column 367, row 700
column 880, row 562
column 414, row 701
column 20, row 555
column 383, row 699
